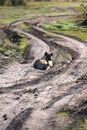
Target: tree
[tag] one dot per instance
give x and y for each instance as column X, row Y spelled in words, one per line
column 18, row 2
column 12, row 2
column 2, row 2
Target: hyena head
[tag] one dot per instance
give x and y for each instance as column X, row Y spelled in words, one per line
column 48, row 56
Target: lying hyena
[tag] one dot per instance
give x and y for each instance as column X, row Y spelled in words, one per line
column 44, row 64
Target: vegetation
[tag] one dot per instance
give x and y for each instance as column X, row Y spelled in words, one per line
column 10, row 14
column 33, row 9
column 51, row 4
column 64, row 114
column 23, row 26
column 14, row 50
column 37, row 2
column 22, row 45
column 71, row 29
column 83, row 125
column 12, row 2
column 76, row 26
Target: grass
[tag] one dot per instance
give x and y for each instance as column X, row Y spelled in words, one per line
column 23, row 43
column 72, row 26
column 62, row 114
column 34, row 9
column 70, row 29
column 77, row 34
column 10, row 14
column 14, row 50
column 83, row 125
column 23, row 26
column 52, row 3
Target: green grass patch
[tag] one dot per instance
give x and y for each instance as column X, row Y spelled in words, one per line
column 13, row 50
column 22, row 45
column 7, row 47
column 83, row 125
column 64, row 26
column 23, row 26
column 77, row 34
column 7, row 21
column 10, row 14
column 70, row 29
column 52, row 3
column 62, row 114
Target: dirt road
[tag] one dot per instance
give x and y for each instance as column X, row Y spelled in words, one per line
column 38, row 100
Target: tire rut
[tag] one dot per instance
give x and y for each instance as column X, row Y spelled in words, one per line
column 18, row 121
column 52, row 91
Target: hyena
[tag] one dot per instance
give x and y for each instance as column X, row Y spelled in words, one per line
column 44, row 64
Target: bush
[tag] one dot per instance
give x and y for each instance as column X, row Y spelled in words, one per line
column 2, row 2
column 12, row 2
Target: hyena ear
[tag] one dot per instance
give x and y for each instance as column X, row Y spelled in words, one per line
column 45, row 53
column 51, row 54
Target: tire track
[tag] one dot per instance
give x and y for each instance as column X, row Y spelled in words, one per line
column 18, row 121
column 48, row 75
column 52, row 91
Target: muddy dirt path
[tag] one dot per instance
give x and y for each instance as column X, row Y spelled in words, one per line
column 34, row 100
